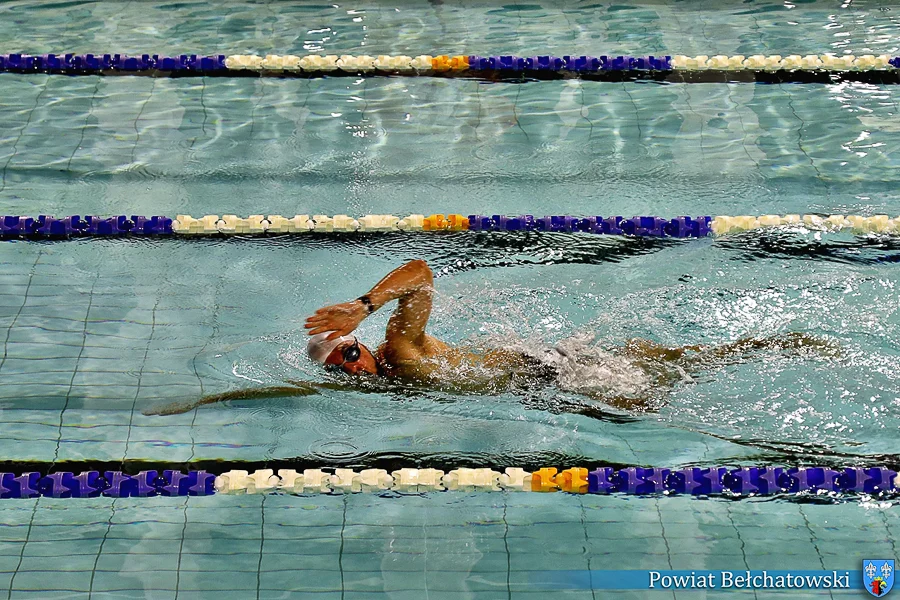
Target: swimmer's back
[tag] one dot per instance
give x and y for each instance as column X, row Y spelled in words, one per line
column 464, row 368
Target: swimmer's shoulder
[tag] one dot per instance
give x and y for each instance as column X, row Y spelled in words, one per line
column 402, row 352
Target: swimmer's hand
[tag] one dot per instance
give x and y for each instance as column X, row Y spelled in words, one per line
column 342, row 319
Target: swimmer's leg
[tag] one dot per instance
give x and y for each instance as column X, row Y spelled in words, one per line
column 640, row 348
column 298, row 388
column 744, row 349
column 638, row 404
column 601, row 410
column 705, row 356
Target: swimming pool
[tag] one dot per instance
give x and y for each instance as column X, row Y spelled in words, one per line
column 98, row 330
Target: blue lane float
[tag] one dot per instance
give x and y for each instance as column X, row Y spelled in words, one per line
column 98, row 64
column 742, row 481
column 88, row 225
column 114, row 484
column 573, row 64
column 680, row 227
column 693, row 481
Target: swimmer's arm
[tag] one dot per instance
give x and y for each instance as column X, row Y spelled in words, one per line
column 297, row 388
column 412, row 284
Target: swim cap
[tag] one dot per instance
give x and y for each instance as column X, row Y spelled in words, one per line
column 319, row 348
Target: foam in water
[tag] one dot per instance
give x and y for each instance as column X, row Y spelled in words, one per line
column 583, row 367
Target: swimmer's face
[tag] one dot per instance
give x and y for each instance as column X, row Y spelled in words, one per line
column 344, row 357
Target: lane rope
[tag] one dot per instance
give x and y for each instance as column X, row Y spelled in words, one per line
column 695, row 481
column 45, row 226
column 764, row 68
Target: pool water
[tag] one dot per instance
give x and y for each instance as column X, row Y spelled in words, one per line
column 97, row 331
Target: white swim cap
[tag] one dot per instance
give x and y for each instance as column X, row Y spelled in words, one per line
column 319, row 348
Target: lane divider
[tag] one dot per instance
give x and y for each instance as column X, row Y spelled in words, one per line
column 439, row 65
column 44, row 226
column 794, row 62
column 696, row 481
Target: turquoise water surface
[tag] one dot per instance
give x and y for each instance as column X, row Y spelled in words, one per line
column 97, row 331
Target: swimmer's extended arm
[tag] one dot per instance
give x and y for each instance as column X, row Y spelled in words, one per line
column 295, row 389
column 411, row 284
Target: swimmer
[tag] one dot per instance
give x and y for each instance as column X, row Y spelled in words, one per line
column 640, row 368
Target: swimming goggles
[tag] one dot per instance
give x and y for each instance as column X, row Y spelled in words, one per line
column 349, row 354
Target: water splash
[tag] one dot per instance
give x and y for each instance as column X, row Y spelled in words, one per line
column 582, row 366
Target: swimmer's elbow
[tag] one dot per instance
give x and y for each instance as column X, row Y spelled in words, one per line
column 422, row 268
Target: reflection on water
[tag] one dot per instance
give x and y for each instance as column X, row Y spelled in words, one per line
column 401, row 146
